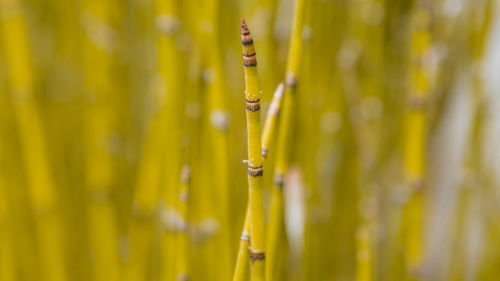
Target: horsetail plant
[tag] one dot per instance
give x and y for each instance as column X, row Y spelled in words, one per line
column 255, row 165
column 7, row 262
column 149, row 185
column 100, row 122
column 267, row 133
column 41, row 184
column 416, row 139
column 276, row 216
column 241, row 269
column 119, row 149
column 183, row 239
column 216, row 90
column 271, row 119
column 171, row 70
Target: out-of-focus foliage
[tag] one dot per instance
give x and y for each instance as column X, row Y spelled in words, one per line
column 122, row 135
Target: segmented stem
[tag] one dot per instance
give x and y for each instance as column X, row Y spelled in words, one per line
column 416, row 140
column 40, row 182
column 271, row 119
column 183, row 239
column 255, row 168
column 276, row 230
column 100, row 122
column 364, row 254
column 269, row 128
column 241, row 269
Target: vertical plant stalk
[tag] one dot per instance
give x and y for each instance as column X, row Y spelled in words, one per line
column 171, row 69
column 276, row 230
column 99, row 122
column 183, row 254
column 271, row 119
column 145, row 201
column 241, row 269
column 40, row 183
column 265, row 13
column 7, row 250
column 416, row 141
column 255, row 165
column 213, row 54
column 269, row 128
column 267, row 133
column 149, row 187
column 276, row 216
column 364, row 255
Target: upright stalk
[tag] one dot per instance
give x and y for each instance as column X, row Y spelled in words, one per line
column 271, row 118
column 171, row 69
column 7, row 250
column 213, row 54
column 40, row 182
column 241, row 269
column 269, row 128
column 364, row 255
column 99, row 125
column 183, row 244
column 255, row 167
column 150, row 188
column 416, row 140
column 276, row 229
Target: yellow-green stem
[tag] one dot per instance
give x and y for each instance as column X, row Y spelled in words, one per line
column 219, row 132
column 7, row 250
column 276, row 229
column 41, row 187
column 255, row 167
column 283, row 139
column 183, row 243
column 271, row 119
column 364, row 255
column 98, row 118
column 241, row 269
column 416, row 140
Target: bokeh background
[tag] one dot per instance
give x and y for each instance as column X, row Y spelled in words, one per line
column 394, row 168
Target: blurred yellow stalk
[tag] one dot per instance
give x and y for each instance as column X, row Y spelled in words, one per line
column 416, row 140
column 241, row 269
column 99, row 47
column 276, row 230
column 7, row 251
column 272, row 117
column 39, row 178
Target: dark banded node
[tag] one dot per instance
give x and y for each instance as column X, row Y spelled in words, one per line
column 255, row 171
column 257, row 255
column 252, row 62
column 253, row 105
column 246, row 43
column 250, row 59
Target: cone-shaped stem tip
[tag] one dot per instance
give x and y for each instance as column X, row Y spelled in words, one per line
column 246, row 38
